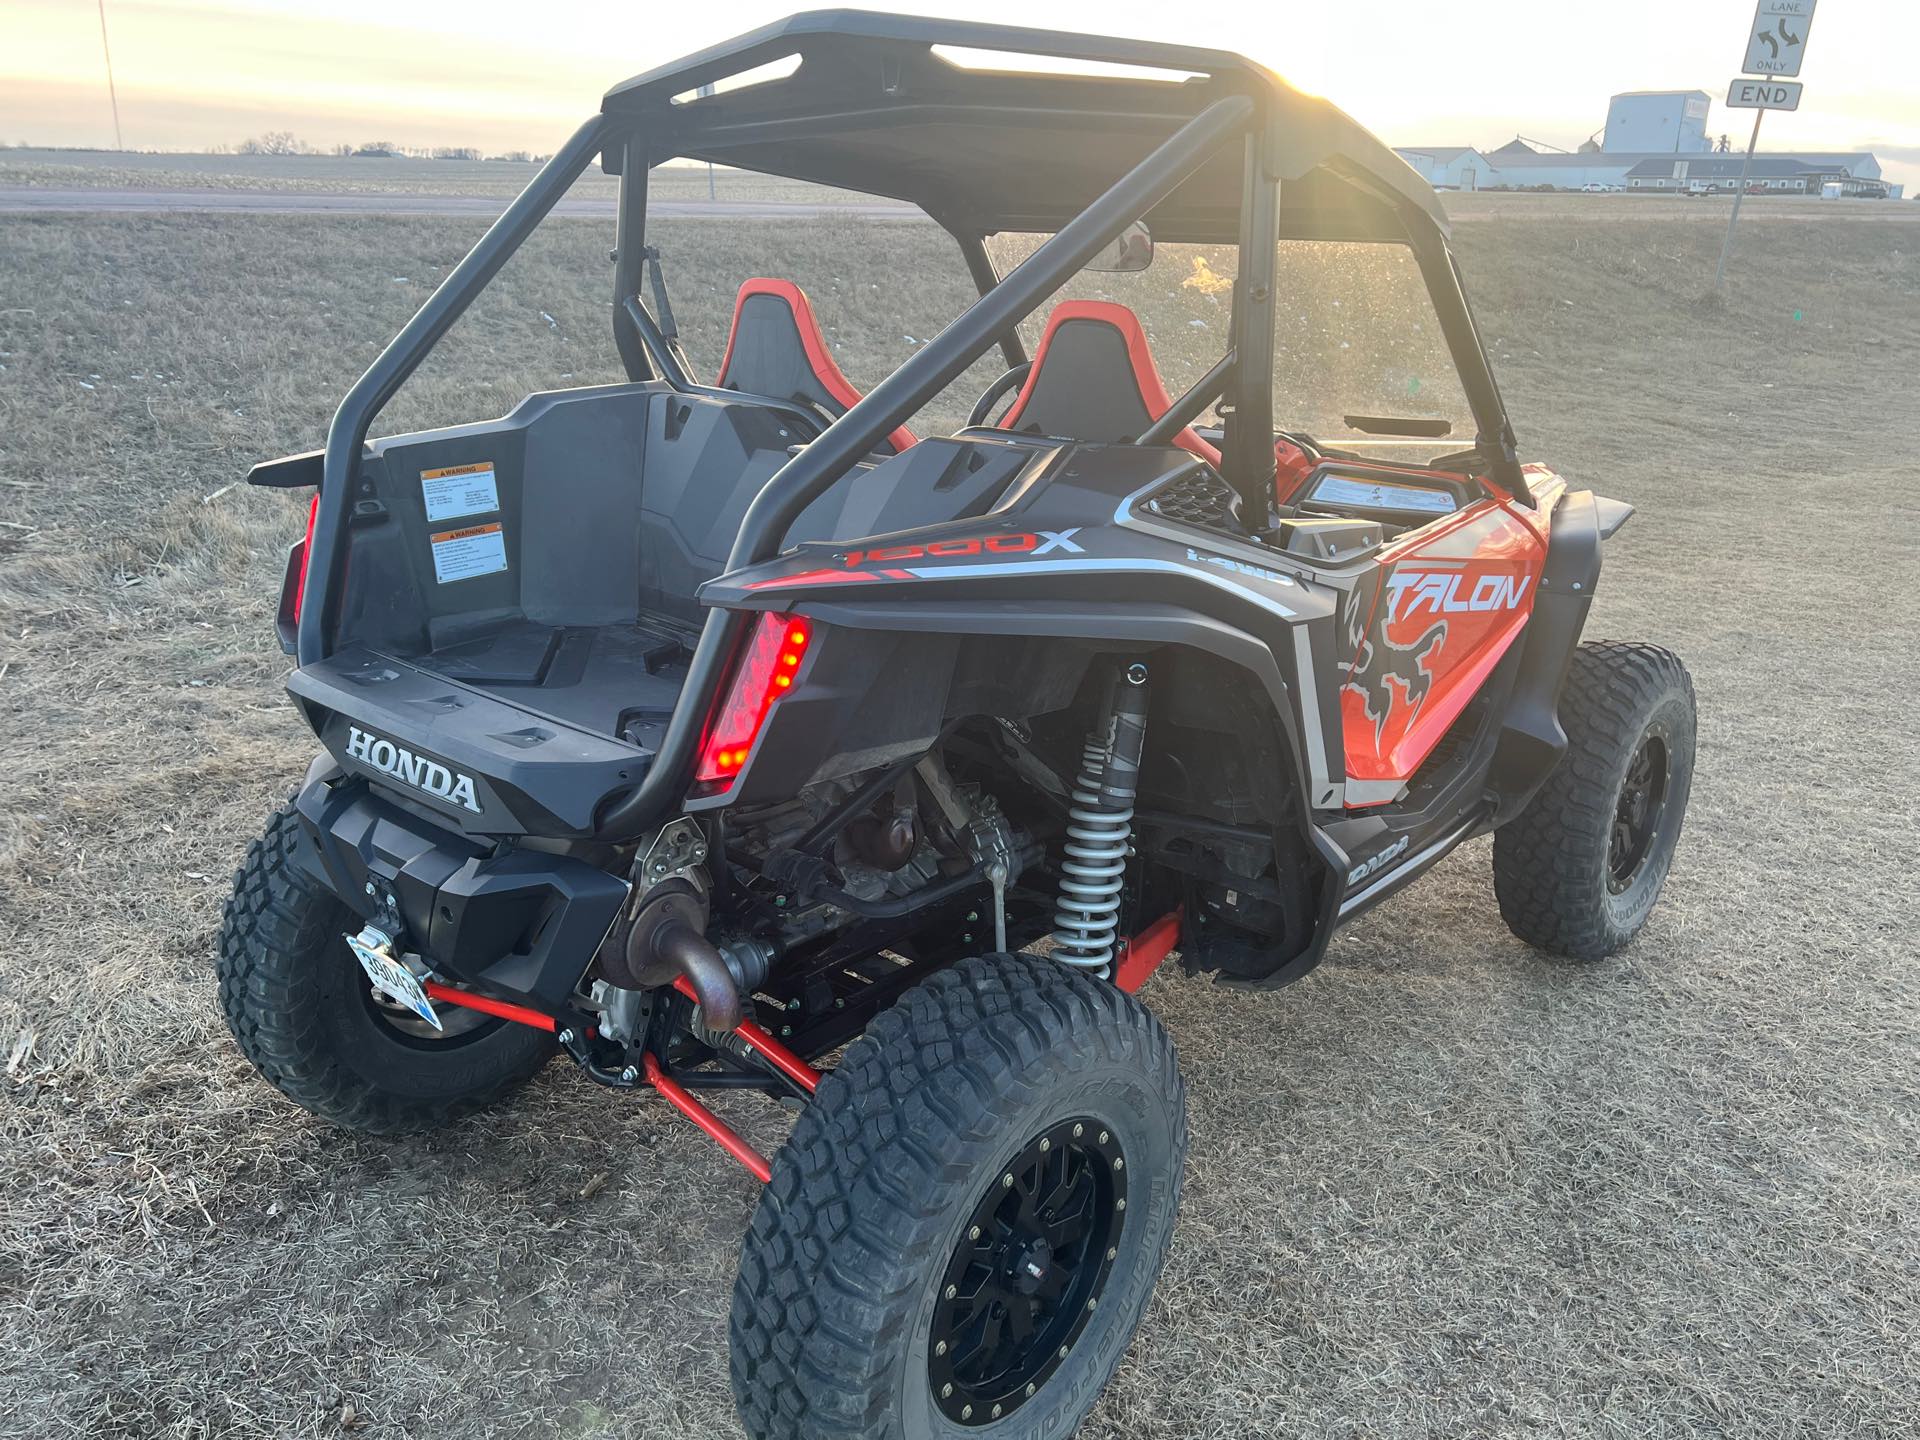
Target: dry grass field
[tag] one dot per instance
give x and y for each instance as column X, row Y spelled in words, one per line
column 1444, row 1187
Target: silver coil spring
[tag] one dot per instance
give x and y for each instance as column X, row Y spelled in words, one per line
column 1086, row 916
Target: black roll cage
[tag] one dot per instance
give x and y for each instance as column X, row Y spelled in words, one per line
column 1242, row 378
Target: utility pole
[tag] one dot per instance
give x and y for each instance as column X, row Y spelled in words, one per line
column 112, row 95
column 706, row 90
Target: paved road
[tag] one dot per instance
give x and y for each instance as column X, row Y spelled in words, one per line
column 28, row 200
column 32, row 199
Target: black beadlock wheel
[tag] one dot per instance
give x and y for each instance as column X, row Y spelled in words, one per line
column 1579, row 870
column 964, row 1229
column 303, row 1013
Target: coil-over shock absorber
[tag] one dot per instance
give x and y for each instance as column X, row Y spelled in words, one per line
column 1086, row 917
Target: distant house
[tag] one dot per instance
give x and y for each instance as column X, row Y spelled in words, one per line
column 1450, row 167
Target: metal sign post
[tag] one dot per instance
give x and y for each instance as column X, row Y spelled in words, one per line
column 1776, row 46
column 1726, row 247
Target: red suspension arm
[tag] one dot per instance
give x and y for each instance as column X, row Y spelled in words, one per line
column 466, row 999
column 722, row 1134
column 768, row 1048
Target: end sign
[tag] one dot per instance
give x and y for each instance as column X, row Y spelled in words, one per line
column 1777, row 43
column 1746, row 94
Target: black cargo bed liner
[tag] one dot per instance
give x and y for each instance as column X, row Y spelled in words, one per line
column 618, row 680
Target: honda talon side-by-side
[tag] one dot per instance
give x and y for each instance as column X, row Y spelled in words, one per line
column 752, row 733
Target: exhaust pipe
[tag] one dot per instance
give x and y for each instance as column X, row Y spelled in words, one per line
column 668, row 943
column 683, row 950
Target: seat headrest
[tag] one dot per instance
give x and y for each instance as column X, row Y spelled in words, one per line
column 776, row 348
column 1093, row 379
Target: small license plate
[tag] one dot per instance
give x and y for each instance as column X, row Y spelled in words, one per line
column 390, row 976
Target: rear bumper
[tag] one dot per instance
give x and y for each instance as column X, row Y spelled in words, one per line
column 518, row 922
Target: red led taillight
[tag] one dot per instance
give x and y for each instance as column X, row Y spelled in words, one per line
column 306, row 549
column 765, row 673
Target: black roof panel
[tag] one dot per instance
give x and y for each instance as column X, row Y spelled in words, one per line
column 873, row 108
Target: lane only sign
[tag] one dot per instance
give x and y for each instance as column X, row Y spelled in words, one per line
column 1764, row 95
column 1778, row 41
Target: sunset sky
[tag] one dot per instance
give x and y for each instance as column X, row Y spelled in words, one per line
column 520, row 76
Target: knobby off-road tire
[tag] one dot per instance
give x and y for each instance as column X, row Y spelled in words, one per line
column 1578, row 871
column 298, row 1003
column 906, row 1147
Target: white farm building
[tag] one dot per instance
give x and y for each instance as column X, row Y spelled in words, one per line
column 1648, row 134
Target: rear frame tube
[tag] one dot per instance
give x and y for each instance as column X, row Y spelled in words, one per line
column 347, row 435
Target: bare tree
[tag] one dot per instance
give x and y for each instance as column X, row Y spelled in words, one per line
column 275, row 142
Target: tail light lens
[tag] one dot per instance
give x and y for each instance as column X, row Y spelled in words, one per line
column 766, row 672
column 293, row 585
column 306, row 549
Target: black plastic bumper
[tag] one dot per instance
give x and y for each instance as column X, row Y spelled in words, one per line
column 520, row 922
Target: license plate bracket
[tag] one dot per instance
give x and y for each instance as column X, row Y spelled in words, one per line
column 375, row 953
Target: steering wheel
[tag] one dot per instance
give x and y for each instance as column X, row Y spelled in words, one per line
column 996, row 392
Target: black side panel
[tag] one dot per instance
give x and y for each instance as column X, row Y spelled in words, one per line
column 1531, row 738
column 1086, row 390
column 581, row 516
column 706, row 460
column 935, row 481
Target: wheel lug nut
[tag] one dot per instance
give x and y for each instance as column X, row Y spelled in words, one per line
column 1119, row 1164
column 1113, row 1252
column 1006, row 1181
column 952, row 1290
column 974, row 1233
column 1120, row 1204
column 1093, row 1303
column 1030, row 1388
column 1103, row 1137
column 941, row 1348
column 946, row 1391
column 1045, row 1146
column 966, row 1412
column 996, row 1412
column 1078, row 1131
column 1063, row 1351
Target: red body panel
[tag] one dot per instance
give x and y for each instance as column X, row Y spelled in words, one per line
column 1450, row 599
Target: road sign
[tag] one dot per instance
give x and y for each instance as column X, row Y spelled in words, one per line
column 1746, row 94
column 1777, row 43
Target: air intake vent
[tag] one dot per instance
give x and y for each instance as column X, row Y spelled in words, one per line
column 1200, row 498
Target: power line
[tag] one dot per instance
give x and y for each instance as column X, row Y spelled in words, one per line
column 112, row 94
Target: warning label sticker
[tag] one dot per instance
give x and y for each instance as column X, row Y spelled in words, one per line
column 460, row 490
column 464, row 554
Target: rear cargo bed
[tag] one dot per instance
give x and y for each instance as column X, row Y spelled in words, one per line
column 615, row 680
column 570, row 714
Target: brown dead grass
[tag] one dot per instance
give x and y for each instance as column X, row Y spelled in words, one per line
column 1443, row 1187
